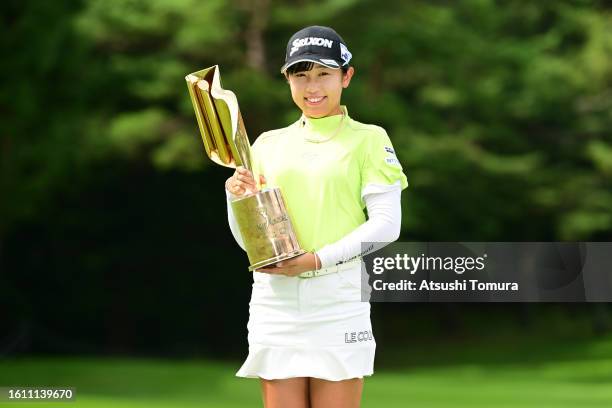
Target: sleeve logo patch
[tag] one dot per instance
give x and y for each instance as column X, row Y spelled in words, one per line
column 389, row 150
column 392, row 160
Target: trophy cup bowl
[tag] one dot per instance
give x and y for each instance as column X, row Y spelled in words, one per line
column 261, row 216
column 266, row 229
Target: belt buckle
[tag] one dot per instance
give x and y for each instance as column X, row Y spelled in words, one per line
column 306, row 275
column 314, row 274
column 320, row 272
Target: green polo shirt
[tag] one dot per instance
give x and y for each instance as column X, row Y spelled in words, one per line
column 322, row 183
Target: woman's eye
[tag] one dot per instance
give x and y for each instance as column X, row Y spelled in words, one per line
column 324, row 73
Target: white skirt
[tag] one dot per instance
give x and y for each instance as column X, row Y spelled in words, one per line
column 316, row 327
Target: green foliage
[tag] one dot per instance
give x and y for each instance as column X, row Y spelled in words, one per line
column 500, row 108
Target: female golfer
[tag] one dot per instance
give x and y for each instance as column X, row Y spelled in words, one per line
column 310, row 336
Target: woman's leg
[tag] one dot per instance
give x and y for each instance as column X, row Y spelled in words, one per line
column 335, row 394
column 288, row 393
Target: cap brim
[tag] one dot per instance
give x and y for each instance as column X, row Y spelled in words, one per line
column 307, row 58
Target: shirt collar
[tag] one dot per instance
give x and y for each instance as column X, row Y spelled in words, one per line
column 325, row 124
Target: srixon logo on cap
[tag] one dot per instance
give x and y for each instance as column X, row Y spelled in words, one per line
column 301, row 42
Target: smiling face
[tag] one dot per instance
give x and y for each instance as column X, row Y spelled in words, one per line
column 317, row 92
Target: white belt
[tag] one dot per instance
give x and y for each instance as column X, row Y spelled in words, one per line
column 331, row 269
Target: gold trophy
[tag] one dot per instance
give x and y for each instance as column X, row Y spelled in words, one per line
column 262, row 217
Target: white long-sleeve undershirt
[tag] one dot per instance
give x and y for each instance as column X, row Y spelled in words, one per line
column 383, row 225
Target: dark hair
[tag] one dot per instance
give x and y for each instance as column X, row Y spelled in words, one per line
column 307, row 66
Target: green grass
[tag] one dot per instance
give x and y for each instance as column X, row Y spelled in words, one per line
column 576, row 374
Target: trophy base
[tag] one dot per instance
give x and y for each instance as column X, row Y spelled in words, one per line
column 276, row 259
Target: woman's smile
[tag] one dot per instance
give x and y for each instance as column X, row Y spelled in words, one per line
column 314, row 100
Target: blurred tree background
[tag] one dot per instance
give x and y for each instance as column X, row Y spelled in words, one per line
column 113, row 234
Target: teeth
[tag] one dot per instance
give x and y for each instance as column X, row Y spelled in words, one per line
column 315, row 100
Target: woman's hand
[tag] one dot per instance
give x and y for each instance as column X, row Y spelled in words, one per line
column 293, row 266
column 242, row 182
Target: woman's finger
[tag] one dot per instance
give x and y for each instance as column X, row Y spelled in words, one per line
column 243, row 171
column 246, row 179
column 249, row 187
column 241, row 184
